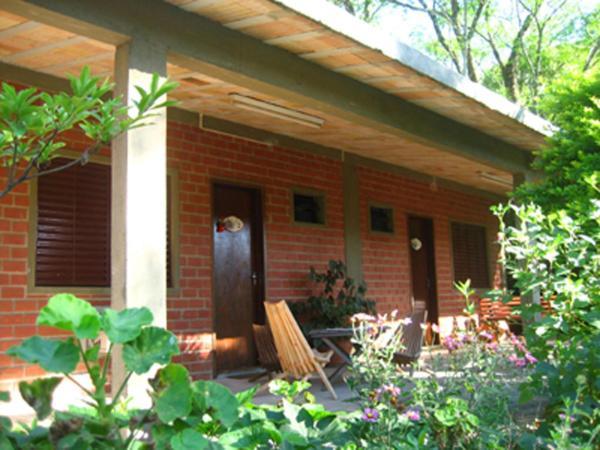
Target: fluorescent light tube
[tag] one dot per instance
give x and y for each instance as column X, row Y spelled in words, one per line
column 273, row 110
column 494, row 178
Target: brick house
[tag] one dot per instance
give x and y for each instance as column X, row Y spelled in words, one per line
column 327, row 138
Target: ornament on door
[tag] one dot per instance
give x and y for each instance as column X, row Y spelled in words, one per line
column 232, row 224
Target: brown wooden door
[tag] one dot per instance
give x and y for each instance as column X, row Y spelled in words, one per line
column 238, row 291
column 422, row 263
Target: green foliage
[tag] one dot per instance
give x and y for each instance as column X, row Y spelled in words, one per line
column 153, row 346
column 184, row 414
column 33, row 124
column 124, row 326
column 67, row 312
column 571, row 161
column 173, row 398
column 51, row 355
column 550, row 242
column 340, row 298
column 101, row 426
column 38, row 394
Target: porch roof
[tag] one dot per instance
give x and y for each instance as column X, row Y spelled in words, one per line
column 377, row 97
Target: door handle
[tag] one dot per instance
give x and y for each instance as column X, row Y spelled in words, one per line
column 254, row 278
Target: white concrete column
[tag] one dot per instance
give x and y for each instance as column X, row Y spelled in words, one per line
column 139, row 201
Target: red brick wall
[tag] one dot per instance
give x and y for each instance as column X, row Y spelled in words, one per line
column 197, row 157
column 386, row 259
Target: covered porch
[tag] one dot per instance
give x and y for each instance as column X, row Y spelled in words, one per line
column 298, row 123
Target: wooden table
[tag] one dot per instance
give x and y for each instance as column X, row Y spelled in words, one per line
column 329, row 336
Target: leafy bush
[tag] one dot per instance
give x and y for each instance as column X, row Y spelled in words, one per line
column 462, row 401
column 185, row 414
column 549, row 240
column 340, row 298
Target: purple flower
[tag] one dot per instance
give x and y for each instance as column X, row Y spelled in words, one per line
column 530, row 358
column 486, row 335
column 370, row 415
column 413, row 414
column 451, row 344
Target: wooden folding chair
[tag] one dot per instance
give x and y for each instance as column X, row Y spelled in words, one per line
column 412, row 340
column 267, row 353
column 296, row 357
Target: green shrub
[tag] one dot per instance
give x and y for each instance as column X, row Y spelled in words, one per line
column 340, row 298
column 185, row 414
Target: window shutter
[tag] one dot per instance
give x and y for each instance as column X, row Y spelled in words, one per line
column 470, row 254
column 73, row 227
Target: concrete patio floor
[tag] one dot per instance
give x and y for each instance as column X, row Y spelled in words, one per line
column 344, row 402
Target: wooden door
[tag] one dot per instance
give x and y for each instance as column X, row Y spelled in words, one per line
column 237, row 275
column 422, row 263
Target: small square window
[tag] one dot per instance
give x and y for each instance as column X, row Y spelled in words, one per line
column 381, row 219
column 309, row 208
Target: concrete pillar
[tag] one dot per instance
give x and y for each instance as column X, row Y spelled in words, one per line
column 352, row 240
column 139, row 202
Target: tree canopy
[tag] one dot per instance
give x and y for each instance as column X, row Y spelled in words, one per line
column 517, row 47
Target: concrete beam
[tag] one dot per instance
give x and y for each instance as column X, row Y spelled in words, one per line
column 202, row 45
column 139, row 202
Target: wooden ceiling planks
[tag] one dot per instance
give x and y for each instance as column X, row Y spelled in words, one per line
column 287, row 29
column 50, row 50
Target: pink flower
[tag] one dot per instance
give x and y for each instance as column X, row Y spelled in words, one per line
column 407, row 321
column 435, row 328
column 370, row 415
column 362, row 317
column 530, row 358
column 492, row 346
column 520, row 363
column 413, row 415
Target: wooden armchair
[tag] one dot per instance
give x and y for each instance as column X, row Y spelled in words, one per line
column 296, row 357
column 412, row 339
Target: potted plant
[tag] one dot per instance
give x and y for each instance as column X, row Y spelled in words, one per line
column 339, row 297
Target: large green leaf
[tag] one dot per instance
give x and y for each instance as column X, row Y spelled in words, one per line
column 211, row 395
column 38, row 395
column 189, row 439
column 173, row 393
column 51, row 355
column 153, row 346
column 67, row 312
column 124, row 326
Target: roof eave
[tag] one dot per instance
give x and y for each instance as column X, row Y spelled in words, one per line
column 365, row 34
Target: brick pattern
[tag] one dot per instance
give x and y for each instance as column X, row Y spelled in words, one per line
column 200, row 157
column 386, row 259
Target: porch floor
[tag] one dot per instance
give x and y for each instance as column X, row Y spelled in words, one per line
column 344, row 401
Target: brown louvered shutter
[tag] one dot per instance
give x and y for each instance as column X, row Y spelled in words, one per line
column 73, row 227
column 470, row 254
